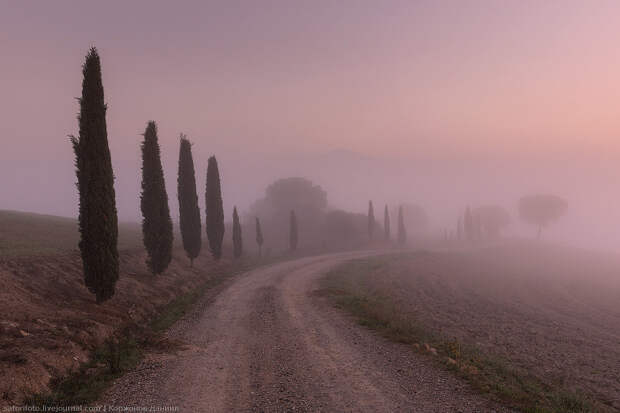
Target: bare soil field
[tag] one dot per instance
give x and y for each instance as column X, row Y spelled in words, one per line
column 550, row 311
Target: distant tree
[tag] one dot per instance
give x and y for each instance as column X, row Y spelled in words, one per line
column 237, row 240
column 386, row 223
column 309, row 202
column 541, row 210
column 259, row 237
column 371, row 220
column 215, row 209
column 468, row 225
column 156, row 221
column 416, row 219
column 293, row 236
column 189, row 212
column 98, row 222
column 492, row 219
column 402, row 231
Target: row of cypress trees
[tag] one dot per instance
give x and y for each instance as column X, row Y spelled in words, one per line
column 401, row 229
column 98, row 222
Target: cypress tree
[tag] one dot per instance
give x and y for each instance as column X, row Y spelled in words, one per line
column 468, row 225
column 189, row 212
column 156, row 221
column 215, row 209
column 386, row 223
column 402, row 231
column 259, row 237
column 98, row 222
column 237, row 240
column 371, row 220
column 293, row 231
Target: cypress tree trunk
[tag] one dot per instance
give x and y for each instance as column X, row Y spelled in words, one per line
column 402, row 231
column 259, row 237
column 215, row 209
column 386, row 223
column 189, row 212
column 371, row 220
column 237, row 240
column 156, row 221
column 98, row 221
column 293, row 236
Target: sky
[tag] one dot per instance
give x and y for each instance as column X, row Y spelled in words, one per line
column 444, row 103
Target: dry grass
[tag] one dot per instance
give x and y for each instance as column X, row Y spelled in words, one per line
column 388, row 295
column 28, row 234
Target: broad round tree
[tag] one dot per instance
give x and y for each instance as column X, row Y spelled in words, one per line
column 541, row 210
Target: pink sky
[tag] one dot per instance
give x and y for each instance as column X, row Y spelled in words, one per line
column 521, row 82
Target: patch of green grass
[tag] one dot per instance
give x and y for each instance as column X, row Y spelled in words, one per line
column 348, row 288
column 87, row 383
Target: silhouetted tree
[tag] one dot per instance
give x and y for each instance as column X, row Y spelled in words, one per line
column 98, row 221
column 541, row 210
column 156, row 221
column 468, row 225
column 402, row 231
column 237, row 240
column 189, row 212
column 293, row 236
column 386, row 223
column 215, row 209
column 492, row 219
column 371, row 220
column 259, row 237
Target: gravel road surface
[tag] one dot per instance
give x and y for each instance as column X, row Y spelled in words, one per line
column 266, row 343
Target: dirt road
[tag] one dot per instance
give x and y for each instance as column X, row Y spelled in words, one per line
column 266, row 343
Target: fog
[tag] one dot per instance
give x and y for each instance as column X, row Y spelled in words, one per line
column 444, row 105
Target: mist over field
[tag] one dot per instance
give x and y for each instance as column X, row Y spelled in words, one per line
column 372, row 101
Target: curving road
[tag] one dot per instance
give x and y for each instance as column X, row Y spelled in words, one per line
column 267, row 344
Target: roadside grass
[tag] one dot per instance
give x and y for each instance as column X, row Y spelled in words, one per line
column 123, row 352
column 29, row 234
column 348, row 288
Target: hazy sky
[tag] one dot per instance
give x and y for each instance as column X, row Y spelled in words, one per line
column 500, row 97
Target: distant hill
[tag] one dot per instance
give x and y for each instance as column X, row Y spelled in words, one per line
column 25, row 233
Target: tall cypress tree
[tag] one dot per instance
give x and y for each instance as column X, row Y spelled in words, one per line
column 371, row 220
column 98, row 222
column 189, row 212
column 386, row 223
column 259, row 237
column 237, row 240
column 215, row 209
column 293, row 236
column 156, row 221
column 402, row 231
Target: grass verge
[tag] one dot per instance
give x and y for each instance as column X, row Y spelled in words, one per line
column 123, row 351
column 348, row 288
